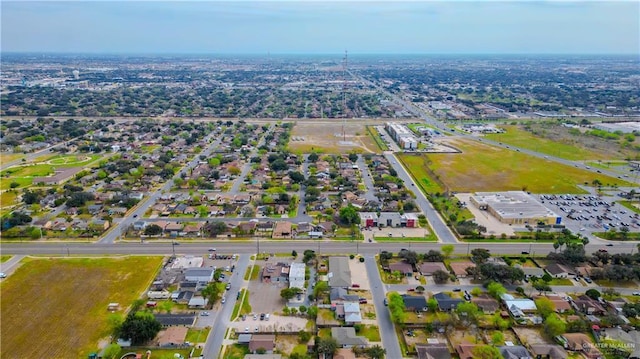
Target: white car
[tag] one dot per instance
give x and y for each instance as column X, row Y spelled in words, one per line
column 3, row 275
column 223, row 300
column 636, row 293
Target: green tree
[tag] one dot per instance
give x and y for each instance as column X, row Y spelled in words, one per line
column 447, row 250
column 375, row 352
column 440, row 276
column 545, row 306
column 432, row 304
column 468, row 310
column 327, row 346
column 140, row 327
column 554, row 326
column 593, row 293
column 486, row 352
column 497, row 338
column 212, row 292
column 349, row 215
column 496, row 290
column 152, row 230
column 479, row 255
column 289, row 293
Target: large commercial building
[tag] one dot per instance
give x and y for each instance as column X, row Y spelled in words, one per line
column 514, row 207
column 402, row 135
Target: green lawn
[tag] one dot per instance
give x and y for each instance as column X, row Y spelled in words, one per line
column 236, row 351
column 5, row 258
column 253, row 273
column 560, row 281
column 69, row 161
column 377, row 139
column 370, row 332
column 300, row 349
column 630, row 205
column 59, row 286
column 482, row 167
column 428, row 238
column 621, row 284
column 8, row 198
column 197, row 335
column 157, row 353
column 524, row 139
column 242, row 306
column 9, row 157
column 417, row 166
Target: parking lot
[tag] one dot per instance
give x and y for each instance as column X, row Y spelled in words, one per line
column 276, row 323
column 588, row 213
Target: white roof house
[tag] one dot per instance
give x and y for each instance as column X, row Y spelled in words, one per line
column 518, row 306
column 296, row 275
column 352, row 312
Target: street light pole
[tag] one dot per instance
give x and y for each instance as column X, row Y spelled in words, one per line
column 173, row 247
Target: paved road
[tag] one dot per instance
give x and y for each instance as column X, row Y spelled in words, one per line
column 117, row 229
column 370, row 194
column 437, row 223
column 277, row 246
column 387, row 330
column 223, row 317
column 235, row 189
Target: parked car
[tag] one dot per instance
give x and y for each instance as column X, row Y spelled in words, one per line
column 457, row 289
column 266, row 317
column 228, row 286
column 223, row 300
column 204, row 314
column 246, row 330
column 261, row 316
column 355, row 285
column 636, row 293
column 386, row 302
column 3, row 275
column 588, row 280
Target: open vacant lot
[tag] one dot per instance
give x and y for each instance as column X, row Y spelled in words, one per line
column 326, row 137
column 569, row 149
column 482, row 167
column 57, row 308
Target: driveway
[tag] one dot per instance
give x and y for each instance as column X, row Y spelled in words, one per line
column 359, row 274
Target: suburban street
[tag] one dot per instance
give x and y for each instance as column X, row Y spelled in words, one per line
column 223, row 317
column 370, row 193
column 387, row 330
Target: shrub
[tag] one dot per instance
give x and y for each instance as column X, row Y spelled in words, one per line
column 361, row 259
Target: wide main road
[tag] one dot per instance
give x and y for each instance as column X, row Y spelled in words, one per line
column 276, row 246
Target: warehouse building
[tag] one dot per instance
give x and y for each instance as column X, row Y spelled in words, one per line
column 514, row 207
column 402, row 135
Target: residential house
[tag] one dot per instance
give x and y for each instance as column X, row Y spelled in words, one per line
column 403, row 267
column 530, row 272
column 427, row 268
column 339, row 295
column 517, row 307
column 198, row 302
column 282, row 230
column 325, row 227
column 433, row 351
column 199, row 274
column 264, row 226
column 340, row 273
column 415, row 303
column 297, row 275
column 465, row 351
column 485, row 303
column 585, row 304
column 276, row 273
column 139, row 225
column 183, row 297
column 630, row 339
column 192, row 229
column 460, row 268
column 173, row 228
column 176, row 319
column 547, row 351
column 514, row 352
column 265, row 356
column 262, row 341
column 352, row 313
column 580, row 342
column 94, row 209
column 347, row 338
column 445, row 302
column 558, row 270
column 560, row 305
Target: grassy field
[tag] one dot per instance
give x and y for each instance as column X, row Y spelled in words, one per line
column 57, row 308
column 8, row 198
column 417, row 165
column 429, row 238
column 377, row 139
column 236, row 351
column 252, row 273
column 5, row 258
column 241, row 307
column 481, row 167
column 524, row 139
column 197, row 335
column 68, row 161
column 8, row 157
column 370, row 332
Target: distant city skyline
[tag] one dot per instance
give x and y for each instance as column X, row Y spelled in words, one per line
column 308, row 27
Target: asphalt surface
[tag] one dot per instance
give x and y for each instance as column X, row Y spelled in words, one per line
column 278, row 246
column 223, row 317
column 387, row 330
column 370, row 193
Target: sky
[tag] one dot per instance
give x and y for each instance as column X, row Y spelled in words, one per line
column 313, row 27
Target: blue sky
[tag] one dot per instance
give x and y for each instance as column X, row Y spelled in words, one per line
column 258, row 27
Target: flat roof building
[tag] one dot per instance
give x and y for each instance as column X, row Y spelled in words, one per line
column 514, row 207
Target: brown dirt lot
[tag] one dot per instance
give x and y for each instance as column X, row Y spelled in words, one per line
column 326, row 136
column 57, row 308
